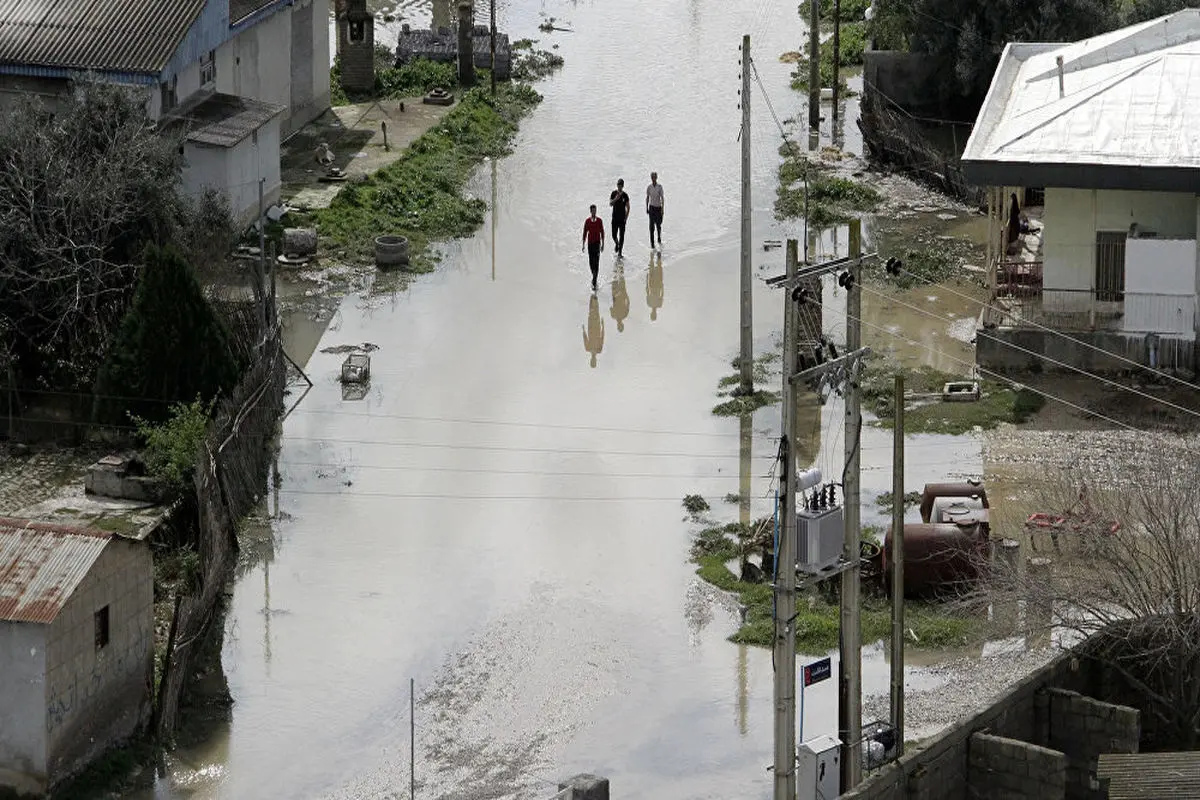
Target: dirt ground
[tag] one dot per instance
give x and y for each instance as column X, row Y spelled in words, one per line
column 355, row 134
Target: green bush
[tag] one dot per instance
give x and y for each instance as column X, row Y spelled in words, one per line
column 848, row 10
column 171, row 345
column 170, row 449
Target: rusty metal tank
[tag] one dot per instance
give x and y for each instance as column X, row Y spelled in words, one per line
column 946, row 552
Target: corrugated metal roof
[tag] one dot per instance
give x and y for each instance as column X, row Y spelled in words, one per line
column 222, row 120
column 240, row 9
column 41, row 565
column 1129, row 98
column 105, row 35
column 1151, row 776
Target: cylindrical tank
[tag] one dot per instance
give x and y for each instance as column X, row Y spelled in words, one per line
column 933, row 491
column 938, row 559
column 391, row 251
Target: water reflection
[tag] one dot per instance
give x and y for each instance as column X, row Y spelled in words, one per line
column 593, row 332
column 654, row 285
column 620, row 295
column 745, row 462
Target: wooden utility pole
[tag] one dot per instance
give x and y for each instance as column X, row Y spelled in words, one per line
column 897, row 565
column 814, row 68
column 492, row 44
column 837, row 54
column 785, row 564
column 850, row 645
column 746, row 360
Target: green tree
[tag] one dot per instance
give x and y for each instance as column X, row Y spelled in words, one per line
column 172, row 346
column 965, row 37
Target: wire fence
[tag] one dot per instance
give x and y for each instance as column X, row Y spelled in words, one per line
column 231, row 475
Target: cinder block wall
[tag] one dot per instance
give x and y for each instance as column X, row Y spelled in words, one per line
column 1083, row 728
column 1008, row 769
column 358, row 58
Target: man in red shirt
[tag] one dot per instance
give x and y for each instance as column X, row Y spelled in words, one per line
column 593, row 240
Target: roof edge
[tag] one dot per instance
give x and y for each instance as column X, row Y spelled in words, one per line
column 1003, row 79
column 1130, row 177
column 50, row 527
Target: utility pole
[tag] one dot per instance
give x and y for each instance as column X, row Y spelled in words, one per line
column 785, row 564
column 837, row 54
column 814, row 68
column 850, row 645
column 260, row 278
column 493, row 46
column 746, row 360
column 897, row 563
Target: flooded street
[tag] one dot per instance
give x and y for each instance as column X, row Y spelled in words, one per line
column 499, row 518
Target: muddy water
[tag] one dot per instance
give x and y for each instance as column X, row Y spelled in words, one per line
column 499, row 517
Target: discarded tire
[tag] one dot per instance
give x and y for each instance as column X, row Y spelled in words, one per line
column 299, row 241
column 391, row 251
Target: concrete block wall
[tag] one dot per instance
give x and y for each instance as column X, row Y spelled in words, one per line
column 358, row 58
column 98, row 697
column 1083, row 729
column 1009, row 769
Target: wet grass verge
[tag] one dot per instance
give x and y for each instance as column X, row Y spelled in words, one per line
column 413, row 79
column 926, row 412
column 818, row 622
column 831, row 199
column 420, row 196
column 765, row 370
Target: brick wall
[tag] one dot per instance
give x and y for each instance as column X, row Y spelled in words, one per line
column 1083, row 728
column 1009, row 769
column 97, row 697
column 357, row 58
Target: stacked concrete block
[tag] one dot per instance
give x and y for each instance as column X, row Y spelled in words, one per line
column 1008, row 769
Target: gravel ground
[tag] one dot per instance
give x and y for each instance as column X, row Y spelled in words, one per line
column 971, row 685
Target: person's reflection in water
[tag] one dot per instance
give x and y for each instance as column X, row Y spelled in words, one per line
column 593, row 332
column 654, row 285
column 620, row 296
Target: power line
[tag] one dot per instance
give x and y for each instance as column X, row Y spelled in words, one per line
column 1054, row 361
column 458, row 496
column 1108, row 353
column 487, row 471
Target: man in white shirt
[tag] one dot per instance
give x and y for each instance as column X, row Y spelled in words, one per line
column 654, row 208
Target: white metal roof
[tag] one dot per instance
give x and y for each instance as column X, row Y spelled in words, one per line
column 1130, row 98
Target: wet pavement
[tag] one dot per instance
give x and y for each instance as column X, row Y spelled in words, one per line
column 499, row 517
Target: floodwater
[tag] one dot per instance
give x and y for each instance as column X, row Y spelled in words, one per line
column 499, row 517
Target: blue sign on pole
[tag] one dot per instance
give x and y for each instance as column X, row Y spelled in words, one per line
column 817, row 671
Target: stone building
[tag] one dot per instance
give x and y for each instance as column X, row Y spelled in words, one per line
column 76, row 649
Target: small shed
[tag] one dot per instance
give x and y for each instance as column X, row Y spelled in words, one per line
column 76, row 648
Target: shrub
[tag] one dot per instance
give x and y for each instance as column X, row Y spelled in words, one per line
column 170, row 448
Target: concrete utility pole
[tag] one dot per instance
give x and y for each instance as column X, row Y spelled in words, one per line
column 814, row 68
column 850, row 645
column 492, row 44
column 466, row 44
column 837, row 54
column 897, row 564
column 785, row 565
column 746, row 360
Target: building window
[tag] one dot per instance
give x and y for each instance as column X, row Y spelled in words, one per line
column 1110, row 265
column 167, row 91
column 102, row 628
column 208, row 68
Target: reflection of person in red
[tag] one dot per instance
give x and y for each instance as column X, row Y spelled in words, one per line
column 593, row 240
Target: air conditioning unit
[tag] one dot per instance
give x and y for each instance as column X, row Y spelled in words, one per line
column 819, row 773
column 821, row 536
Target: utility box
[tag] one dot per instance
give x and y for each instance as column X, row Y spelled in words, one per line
column 819, row 772
column 821, row 535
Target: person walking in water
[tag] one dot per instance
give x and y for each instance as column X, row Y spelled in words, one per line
column 620, row 213
column 593, row 242
column 654, row 208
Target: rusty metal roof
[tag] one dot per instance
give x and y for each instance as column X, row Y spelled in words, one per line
column 1151, row 776
column 41, row 565
column 103, row 35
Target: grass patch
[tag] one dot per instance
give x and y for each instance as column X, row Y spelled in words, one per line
column 831, row 199
column 817, row 622
column 695, row 504
column 919, row 265
column 118, row 525
column 910, row 499
column 413, row 79
column 744, row 404
column 998, row 404
column 420, row 195
column 530, row 64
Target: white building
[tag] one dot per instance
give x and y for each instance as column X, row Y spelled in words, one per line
column 76, row 649
column 1110, row 128
column 272, row 52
